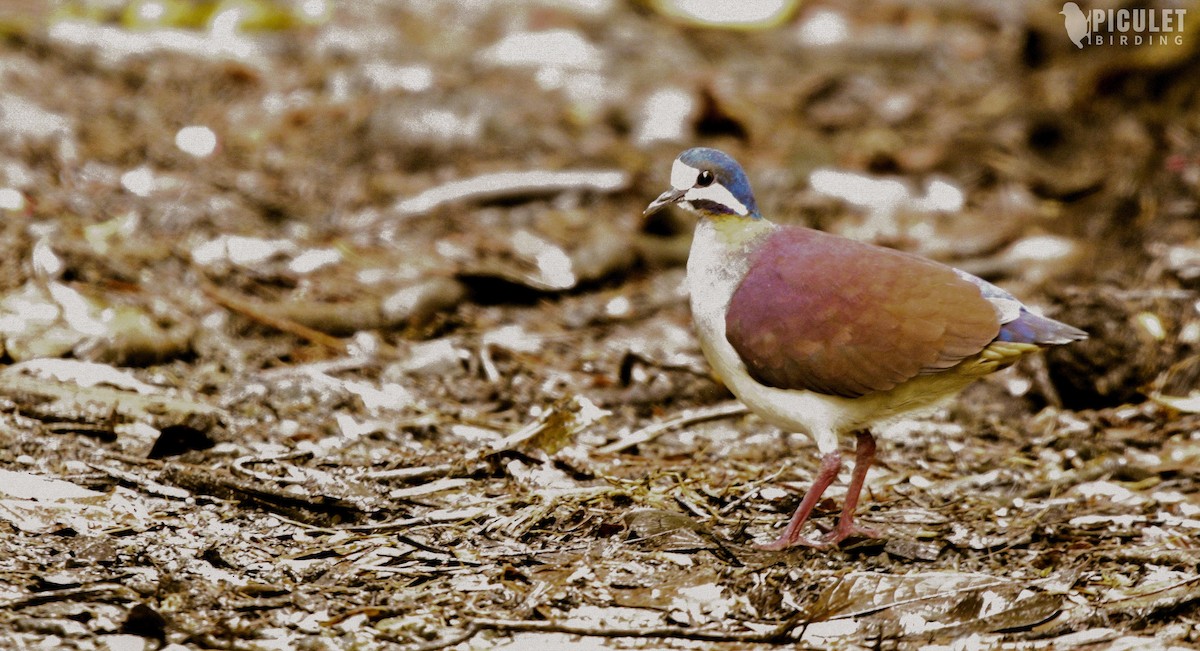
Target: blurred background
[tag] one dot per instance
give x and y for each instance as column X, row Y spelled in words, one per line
column 383, row 236
column 977, row 134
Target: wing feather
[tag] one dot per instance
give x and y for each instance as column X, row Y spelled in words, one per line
column 840, row 317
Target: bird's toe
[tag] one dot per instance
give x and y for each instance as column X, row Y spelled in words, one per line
column 841, row 534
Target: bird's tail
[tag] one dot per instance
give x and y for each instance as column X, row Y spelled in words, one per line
column 1030, row 328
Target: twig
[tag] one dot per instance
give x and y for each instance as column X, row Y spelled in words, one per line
column 1178, row 584
column 462, row 515
column 239, row 466
column 96, row 592
column 149, row 486
column 752, row 489
column 323, row 367
column 689, row 417
column 409, row 474
column 781, row 634
column 223, row 485
column 256, row 312
column 467, row 633
column 1175, row 557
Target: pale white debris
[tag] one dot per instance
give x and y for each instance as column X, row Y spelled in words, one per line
column 85, row 374
column 24, row 485
column 440, row 126
column 113, row 44
column 1123, row 521
column 45, row 261
column 552, row 48
column 196, row 140
column 1175, row 497
column 555, row 268
column 26, row 310
column 387, row 76
column 1184, row 260
column 139, row 181
column 920, row 482
column 1116, row 493
column 1041, row 248
column 79, row 313
column 314, row 259
column 241, row 250
column 540, row 475
column 388, row 396
column 12, row 200
column 703, row 602
column 499, row 185
column 619, row 307
column 666, row 116
column 771, row 493
column 822, row 633
column 122, row 642
column 940, row 196
column 513, row 338
column 436, row 357
column 428, row 488
column 24, row 119
column 884, row 197
column 1151, row 324
column 314, row 11
column 915, row 624
column 744, row 14
column 352, row 428
column 860, row 189
column 822, row 28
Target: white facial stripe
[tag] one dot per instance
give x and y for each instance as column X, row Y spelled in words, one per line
column 683, row 176
column 717, row 194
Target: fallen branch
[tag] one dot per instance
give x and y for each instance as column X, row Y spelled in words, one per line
column 781, row 634
column 259, row 312
column 221, row 485
column 689, row 417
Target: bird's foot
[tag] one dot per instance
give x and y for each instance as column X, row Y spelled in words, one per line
column 841, row 533
column 834, row 538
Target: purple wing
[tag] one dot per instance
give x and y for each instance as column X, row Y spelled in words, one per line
column 836, row 316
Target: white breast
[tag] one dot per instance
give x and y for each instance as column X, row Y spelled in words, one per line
column 715, row 269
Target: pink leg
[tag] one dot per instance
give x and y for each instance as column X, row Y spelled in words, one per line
column 830, row 465
column 864, row 456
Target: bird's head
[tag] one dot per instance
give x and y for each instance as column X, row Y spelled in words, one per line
column 709, row 183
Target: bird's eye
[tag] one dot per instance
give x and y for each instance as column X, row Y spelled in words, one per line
column 705, row 179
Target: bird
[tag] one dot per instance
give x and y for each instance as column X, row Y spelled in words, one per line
column 828, row 336
column 1076, row 22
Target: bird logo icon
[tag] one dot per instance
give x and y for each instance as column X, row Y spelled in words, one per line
column 1076, row 22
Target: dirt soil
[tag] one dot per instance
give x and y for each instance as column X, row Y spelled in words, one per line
column 337, row 326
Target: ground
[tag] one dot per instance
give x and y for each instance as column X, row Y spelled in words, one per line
column 337, row 325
